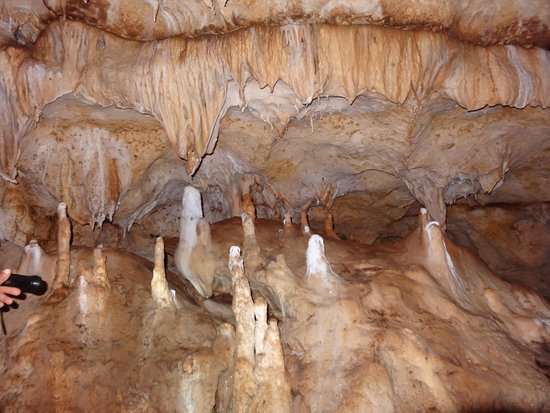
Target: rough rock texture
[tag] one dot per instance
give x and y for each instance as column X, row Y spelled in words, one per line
column 382, row 165
column 491, row 230
column 512, row 21
column 364, row 150
column 204, row 77
column 416, row 325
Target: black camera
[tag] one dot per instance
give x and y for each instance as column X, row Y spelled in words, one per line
column 31, row 284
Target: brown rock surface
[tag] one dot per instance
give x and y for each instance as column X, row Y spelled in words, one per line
column 415, row 325
column 379, row 169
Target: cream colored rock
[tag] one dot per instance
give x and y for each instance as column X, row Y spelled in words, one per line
column 244, row 384
column 260, row 380
column 193, row 253
column 36, row 262
column 516, row 22
column 173, row 131
column 440, row 65
column 159, row 286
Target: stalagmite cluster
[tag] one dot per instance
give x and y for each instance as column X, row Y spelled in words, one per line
column 259, row 382
column 306, row 206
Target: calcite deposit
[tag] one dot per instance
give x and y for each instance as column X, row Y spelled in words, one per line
column 278, row 206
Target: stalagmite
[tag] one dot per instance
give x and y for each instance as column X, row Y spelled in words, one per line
column 191, row 213
column 35, row 261
column 92, row 293
column 93, row 289
column 100, row 268
column 317, row 264
column 225, row 339
column 193, row 252
column 260, row 383
column 244, row 384
column 159, row 286
column 63, row 248
column 164, row 133
column 439, row 259
column 319, row 273
column 250, row 243
column 274, row 393
column 248, row 227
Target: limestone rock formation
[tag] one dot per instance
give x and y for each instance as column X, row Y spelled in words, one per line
column 376, row 170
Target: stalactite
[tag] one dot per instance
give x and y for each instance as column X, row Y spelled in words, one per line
column 313, row 61
column 304, row 221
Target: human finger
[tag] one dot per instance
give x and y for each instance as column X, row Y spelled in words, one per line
column 5, row 299
column 4, row 275
column 10, row 290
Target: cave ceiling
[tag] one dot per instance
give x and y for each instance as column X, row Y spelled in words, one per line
column 113, row 106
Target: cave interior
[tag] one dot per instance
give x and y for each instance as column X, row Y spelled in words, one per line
column 243, row 206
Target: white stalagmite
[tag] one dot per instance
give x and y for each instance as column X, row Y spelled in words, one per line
column 33, row 259
column 236, row 265
column 187, row 256
column 162, row 296
column 438, row 255
column 317, row 263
